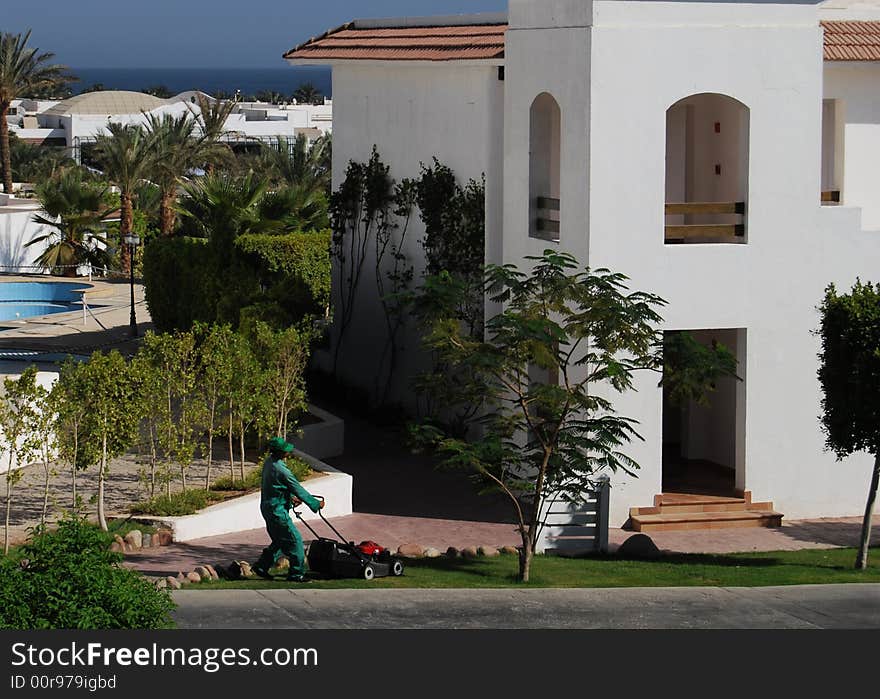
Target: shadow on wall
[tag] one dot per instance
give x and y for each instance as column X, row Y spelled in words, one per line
column 15, row 232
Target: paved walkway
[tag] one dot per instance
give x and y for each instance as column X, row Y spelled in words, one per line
column 795, row 607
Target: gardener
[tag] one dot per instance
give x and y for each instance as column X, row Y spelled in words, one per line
column 281, row 490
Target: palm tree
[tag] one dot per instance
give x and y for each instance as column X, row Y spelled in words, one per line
column 22, row 70
column 299, row 163
column 176, row 153
column 74, row 206
column 126, row 156
column 307, row 93
column 294, row 208
column 212, row 116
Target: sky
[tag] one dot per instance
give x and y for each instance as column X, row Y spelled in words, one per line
column 197, row 33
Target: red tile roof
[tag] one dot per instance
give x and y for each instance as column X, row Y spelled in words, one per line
column 852, row 41
column 844, row 41
column 435, row 43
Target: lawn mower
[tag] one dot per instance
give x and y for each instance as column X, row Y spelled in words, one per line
column 345, row 559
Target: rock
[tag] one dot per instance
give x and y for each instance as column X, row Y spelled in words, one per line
column 222, row 570
column 432, row 553
column 173, row 582
column 119, row 540
column 510, row 551
column 469, row 552
column 182, row 579
column 161, row 583
column 452, row 552
column 411, row 551
column 212, row 572
column 246, row 571
column 283, row 563
column 194, row 577
column 116, row 547
column 488, row 551
column 233, row 571
column 165, row 537
column 203, row 573
column 135, row 539
column 639, row 546
column 148, row 541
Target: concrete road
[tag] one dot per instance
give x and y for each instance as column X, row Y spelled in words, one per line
column 796, row 607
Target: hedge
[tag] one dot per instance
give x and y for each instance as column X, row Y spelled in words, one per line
column 280, row 279
column 294, row 268
column 179, row 285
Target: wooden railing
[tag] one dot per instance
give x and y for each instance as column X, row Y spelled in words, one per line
column 683, row 233
column 831, row 197
column 547, row 227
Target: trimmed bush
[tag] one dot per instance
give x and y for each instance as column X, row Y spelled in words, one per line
column 69, row 579
column 179, row 282
column 174, row 505
column 253, row 480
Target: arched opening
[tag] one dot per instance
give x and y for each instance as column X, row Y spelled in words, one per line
column 544, row 168
column 707, row 170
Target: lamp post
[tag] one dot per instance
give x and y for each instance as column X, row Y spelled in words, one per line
column 132, row 240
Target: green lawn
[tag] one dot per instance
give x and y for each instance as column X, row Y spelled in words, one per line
column 805, row 567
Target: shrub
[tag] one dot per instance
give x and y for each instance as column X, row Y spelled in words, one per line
column 179, row 282
column 174, row 505
column 253, row 480
column 69, row 579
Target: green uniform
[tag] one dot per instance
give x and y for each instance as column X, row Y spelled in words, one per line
column 279, row 488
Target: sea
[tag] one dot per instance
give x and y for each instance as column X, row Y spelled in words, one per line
column 210, row 80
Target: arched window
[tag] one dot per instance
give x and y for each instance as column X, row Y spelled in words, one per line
column 707, row 170
column 544, row 164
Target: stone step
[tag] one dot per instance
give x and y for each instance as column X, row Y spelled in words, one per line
column 716, row 505
column 696, row 521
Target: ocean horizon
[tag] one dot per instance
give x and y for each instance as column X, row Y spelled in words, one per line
column 283, row 80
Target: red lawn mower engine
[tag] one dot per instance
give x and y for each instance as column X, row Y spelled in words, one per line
column 370, row 548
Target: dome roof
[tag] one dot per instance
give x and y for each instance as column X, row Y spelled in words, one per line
column 107, row 102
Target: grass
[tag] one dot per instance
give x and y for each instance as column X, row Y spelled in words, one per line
column 124, row 526
column 806, row 567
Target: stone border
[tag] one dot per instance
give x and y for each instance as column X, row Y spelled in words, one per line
column 243, row 514
column 325, row 439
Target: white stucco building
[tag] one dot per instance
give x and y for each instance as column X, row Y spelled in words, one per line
column 82, row 118
column 723, row 155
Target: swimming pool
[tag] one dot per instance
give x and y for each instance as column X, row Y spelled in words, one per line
column 19, row 300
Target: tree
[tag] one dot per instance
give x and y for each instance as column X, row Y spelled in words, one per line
column 216, row 372
column 176, row 152
column 849, row 374
column 22, row 70
column 33, row 163
column 307, row 93
column 111, row 418
column 126, row 155
column 212, row 115
column 283, row 356
column 587, row 335
column 298, row 163
column 18, row 417
column 68, row 402
column 74, row 206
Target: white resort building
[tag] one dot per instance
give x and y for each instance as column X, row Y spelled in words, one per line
column 723, row 155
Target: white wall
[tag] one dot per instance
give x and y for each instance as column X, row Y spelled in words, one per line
column 412, row 113
column 769, row 58
column 16, row 229
column 12, row 370
column 855, row 86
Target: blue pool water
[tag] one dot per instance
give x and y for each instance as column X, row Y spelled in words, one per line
column 20, row 300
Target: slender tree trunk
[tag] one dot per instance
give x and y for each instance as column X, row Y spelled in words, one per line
column 231, row 449
column 5, row 157
column 241, row 450
column 152, row 459
column 862, row 560
column 47, row 475
column 126, row 214
column 102, row 520
column 210, row 447
column 525, row 559
column 166, row 213
column 8, row 509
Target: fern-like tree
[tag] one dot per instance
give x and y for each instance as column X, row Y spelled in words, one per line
column 23, row 71
column 582, row 329
column 849, row 374
column 307, row 93
column 126, row 155
column 18, row 424
column 74, row 207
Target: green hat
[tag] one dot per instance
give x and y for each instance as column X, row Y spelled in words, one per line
column 279, row 444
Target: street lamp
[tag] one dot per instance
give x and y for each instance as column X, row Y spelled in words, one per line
column 132, row 240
